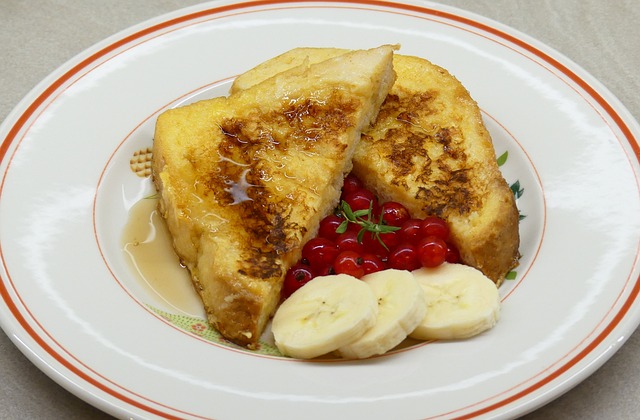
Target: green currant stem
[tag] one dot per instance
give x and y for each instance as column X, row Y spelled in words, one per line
column 363, row 218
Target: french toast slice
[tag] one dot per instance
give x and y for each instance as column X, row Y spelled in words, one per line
column 430, row 151
column 244, row 180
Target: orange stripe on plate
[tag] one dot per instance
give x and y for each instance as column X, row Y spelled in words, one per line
column 76, row 69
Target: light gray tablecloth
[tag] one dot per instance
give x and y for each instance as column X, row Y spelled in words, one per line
column 603, row 37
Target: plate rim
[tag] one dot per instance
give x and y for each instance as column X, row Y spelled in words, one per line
column 28, row 107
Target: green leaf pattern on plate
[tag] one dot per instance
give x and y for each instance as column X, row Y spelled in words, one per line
column 202, row 328
column 511, row 275
column 517, row 190
column 502, row 159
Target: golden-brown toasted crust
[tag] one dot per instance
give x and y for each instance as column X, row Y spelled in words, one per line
column 430, row 150
column 245, row 180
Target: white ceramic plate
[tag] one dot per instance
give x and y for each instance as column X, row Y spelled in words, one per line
column 72, row 303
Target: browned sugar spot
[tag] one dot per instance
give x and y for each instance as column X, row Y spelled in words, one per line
column 249, row 149
column 418, row 142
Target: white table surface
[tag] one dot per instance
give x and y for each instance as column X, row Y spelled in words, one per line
column 37, row 36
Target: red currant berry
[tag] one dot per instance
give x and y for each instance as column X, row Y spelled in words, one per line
column 432, row 251
column 373, row 245
column 354, row 227
column 328, row 227
column 351, row 184
column 404, row 257
column 390, row 240
column 361, row 200
column 394, row 213
column 453, row 255
column 296, row 277
column 410, row 231
column 432, row 225
column 348, row 241
column 323, row 271
column 349, row 262
column 320, row 252
column 372, row 263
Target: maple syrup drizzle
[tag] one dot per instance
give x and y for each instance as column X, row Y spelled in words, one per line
column 147, row 243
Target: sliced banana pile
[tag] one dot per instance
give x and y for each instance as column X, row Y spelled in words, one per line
column 360, row 318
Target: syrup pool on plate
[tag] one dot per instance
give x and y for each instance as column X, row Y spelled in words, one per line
column 147, row 242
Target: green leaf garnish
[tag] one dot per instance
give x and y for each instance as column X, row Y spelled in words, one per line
column 511, row 275
column 361, row 213
column 364, row 218
column 343, row 227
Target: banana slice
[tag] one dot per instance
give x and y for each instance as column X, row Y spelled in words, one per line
column 325, row 314
column 401, row 307
column 461, row 302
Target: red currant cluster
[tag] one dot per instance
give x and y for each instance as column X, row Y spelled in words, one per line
column 365, row 236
